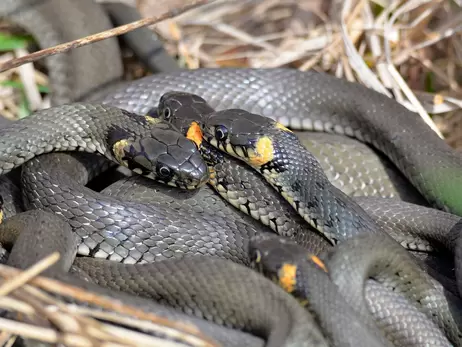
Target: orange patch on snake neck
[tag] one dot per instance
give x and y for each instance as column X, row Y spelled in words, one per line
column 118, row 149
column 287, row 277
column 195, row 133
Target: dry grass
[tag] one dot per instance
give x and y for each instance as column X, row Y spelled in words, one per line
column 406, row 49
column 42, row 312
column 409, row 49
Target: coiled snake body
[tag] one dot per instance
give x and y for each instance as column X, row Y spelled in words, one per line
column 303, row 101
column 195, row 77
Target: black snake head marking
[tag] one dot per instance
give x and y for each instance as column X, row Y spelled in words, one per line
column 181, row 109
column 165, row 156
column 279, row 258
column 246, row 136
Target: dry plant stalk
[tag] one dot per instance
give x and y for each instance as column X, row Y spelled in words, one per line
column 393, row 48
column 99, row 36
column 49, row 319
column 409, row 50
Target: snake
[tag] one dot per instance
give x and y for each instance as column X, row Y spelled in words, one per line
column 305, row 276
column 350, row 266
column 76, row 74
column 147, row 146
column 296, row 121
column 117, row 274
column 277, row 154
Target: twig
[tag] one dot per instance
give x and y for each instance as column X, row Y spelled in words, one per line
column 29, row 330
column 100, row 36
column 394, row 72
column 175, row 334
column 367, row 77
column 25, row 276
column 108, row 303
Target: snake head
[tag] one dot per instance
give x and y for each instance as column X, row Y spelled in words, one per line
column 253, row 138
column 278, row 258
column 181, row 109
column 268, row 252
column 165, row 156
column 243, row 135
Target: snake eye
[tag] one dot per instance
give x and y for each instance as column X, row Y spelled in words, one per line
column 221, row 133
column 167, row 113
column 164, row 172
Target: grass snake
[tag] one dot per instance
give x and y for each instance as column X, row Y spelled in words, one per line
column 314, row 101
column 32, row 161
column 306, row 276
column 288, row 96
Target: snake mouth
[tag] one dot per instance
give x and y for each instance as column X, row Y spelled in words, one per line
column 193, row 184
column 204, row 180
column 191, row 174
column 188, row 177
column 196, row 179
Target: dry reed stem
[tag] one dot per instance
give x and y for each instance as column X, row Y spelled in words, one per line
column 349, row 39
column 99, row 36
column 53, row 320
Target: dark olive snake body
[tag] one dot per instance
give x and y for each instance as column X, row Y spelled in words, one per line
column 318, row 102
column 333, row 106
column 306, row 277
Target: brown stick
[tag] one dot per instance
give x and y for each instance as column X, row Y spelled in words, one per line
column 50, row 285
column 100, row 36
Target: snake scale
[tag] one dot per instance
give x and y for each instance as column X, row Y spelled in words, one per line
column 287, row 96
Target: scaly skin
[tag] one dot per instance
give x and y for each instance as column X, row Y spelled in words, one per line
column 276, row 153
column 316, row 101
column 379, row 257
column 146, row 145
